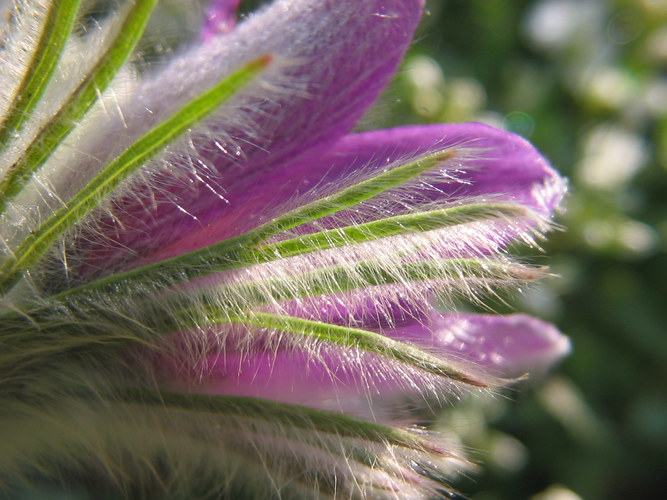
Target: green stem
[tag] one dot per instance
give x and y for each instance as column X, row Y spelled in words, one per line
column 365, row 340
column 33, row 247
column 277, row 413
column 244, row 250
column 57, row 29
column 392, row 226
column 85, row 95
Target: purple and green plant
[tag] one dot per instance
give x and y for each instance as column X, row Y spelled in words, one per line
column 212, row 288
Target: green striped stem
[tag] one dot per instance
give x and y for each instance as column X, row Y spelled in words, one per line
column 85, row 95
column 57, row 30
column 365, row 340
column 284, row 414
column 58, row 327
column 152, row 143
column 245, row 250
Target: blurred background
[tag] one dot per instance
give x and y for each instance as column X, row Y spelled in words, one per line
column 586, row 82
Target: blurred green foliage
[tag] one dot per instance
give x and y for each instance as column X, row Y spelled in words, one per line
column 585, row 81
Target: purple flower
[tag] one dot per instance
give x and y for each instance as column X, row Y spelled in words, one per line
column 212, row 288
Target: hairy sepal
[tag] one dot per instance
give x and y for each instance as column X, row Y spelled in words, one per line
column 21, row 33
column 77, row 104
column 57, row 28
column 216, row 444
column 298, row 107
column 34, row 246
column 324, row 228
column 367, row 269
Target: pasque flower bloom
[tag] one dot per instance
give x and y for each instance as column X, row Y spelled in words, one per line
column 212, row 288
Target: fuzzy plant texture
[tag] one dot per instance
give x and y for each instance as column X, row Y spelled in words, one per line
column 211, row 288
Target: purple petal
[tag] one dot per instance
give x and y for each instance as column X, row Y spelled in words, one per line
column 338, row 379
column 506, row 346
column 501, row 166
column 332, row 58
column 485, row 346
column 289, row 376
column 499, row 162
column 220, row 18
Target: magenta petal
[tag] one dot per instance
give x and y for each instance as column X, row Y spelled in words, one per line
column 288, row 376
column 220, row 18
column 337, row 379
column 505, row 346
column 498, row 165
column 332, row 59
column 486, row 345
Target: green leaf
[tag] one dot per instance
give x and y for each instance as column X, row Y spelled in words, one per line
column 33, row 247
column 355, row 194
column 460, row 273
column 391, row 226
column 53, row 331
column 244, row 250
column 365, row 340
column 85, row 95
column 280, row 414
column 64, row 325
column 57, row 29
